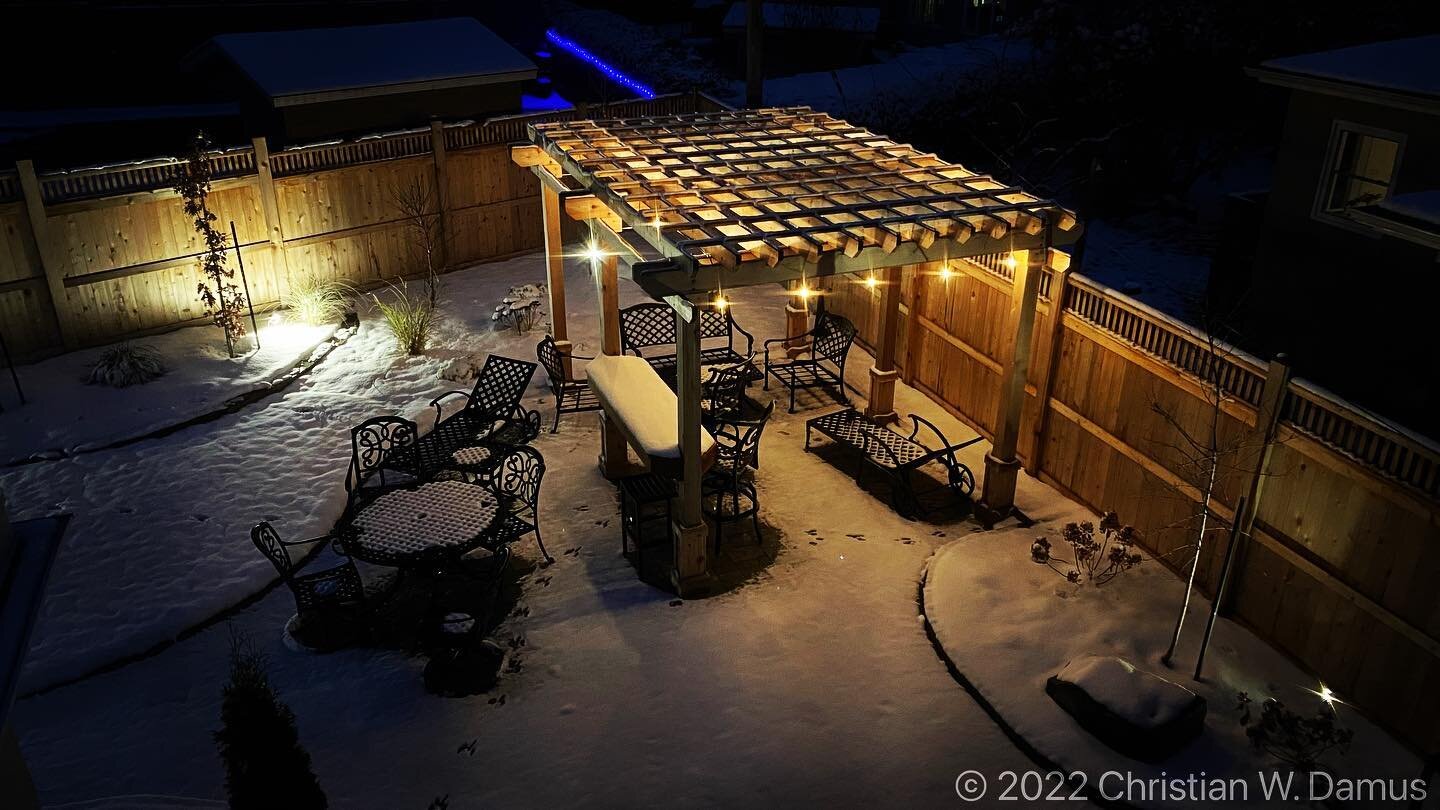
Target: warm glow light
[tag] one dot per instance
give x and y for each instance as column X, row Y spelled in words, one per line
column 1010, row 261
column 594, row 253
column 871, row 281
column 945, row 271
column 804, row 292
column 720, row 302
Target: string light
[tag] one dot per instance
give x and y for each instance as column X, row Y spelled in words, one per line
column 871, row 282
column 610, row 71
column 945, row 271
column 720, row 301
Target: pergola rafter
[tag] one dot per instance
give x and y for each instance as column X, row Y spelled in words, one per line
column 758, row 187
column 700, row 202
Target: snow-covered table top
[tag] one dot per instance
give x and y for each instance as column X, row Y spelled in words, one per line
column 648, row 411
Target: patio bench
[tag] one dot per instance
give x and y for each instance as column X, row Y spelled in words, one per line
column 649, row 326
column 895, row 454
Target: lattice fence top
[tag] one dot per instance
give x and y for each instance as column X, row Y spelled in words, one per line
column 759, row 185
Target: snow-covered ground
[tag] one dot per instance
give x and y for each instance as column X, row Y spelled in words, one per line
column 813, row 684
column 64, row 413
column 160, row 536
column 1048, row 623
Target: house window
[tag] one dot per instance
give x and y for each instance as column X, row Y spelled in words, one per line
column 1362, row 169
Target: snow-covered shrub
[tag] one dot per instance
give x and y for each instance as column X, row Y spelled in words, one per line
column 265, row 766
column 1290, row 737
column 316, row 301
column 409, row 318
column 1092, row 561
column 126, row 364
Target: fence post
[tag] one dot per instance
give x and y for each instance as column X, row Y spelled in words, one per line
column 39, row 230
column 442, row 188
column 1059, row 264
column 1267, row 420
column 270, row 203
column 997, row 500
column 912, row 322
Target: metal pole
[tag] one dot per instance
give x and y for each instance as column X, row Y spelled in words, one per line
column 240, row 260
column 10, row 364
column 1220, row 587
column 220, row 292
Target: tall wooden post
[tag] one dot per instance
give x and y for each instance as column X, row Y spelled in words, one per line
column 442, row 189
column 1059, row 264
column 1001, row 464
column 1267, row 422
column 270, row 203
column 692, row 536
column 51, row 265
column 754, row 53
column 881, row 404
column 614, row 461
column 555, row 270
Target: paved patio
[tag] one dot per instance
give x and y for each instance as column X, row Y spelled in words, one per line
column 813, row 683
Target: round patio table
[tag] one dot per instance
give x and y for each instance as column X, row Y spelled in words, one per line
column 438, row 521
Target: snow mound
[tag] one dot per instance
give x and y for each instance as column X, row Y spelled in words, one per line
column 1141, row 698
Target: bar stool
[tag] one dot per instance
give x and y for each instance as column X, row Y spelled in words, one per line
column 644, row 500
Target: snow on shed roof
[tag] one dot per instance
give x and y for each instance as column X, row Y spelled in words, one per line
column 322, row 64
column 1409, row 66
column 809, row 17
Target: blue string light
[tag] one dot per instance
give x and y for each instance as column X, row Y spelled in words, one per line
column 604, row 67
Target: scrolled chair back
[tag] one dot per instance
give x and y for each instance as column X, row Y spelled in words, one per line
column 381, row 445
column 518, row 475
column 265, row 538
column 738, row 440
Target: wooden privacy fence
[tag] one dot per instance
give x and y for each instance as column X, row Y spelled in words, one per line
column 1341, row 563
column 91, row 255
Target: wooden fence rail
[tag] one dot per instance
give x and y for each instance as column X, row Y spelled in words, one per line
column 1339, row 565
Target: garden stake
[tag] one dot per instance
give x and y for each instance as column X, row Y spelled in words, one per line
column 240, row 260
column 1220, row 587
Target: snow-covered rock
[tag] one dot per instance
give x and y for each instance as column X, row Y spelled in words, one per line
column 1138, row 713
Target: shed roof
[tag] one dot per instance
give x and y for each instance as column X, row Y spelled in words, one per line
column 1410, row 66
column 324, row 64
column 790, row 187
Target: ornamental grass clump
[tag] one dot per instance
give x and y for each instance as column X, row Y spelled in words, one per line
column 125, row 365
column 409, row 318
column 316, row 301
column 1092, row 561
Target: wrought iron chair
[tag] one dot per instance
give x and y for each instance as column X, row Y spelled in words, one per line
column 384, row 454
column 516, row 478
column 572, row 394
column 722, row 393
column 728, row 490
column 338, row 586
column 648, row 326
column 823, row 363
column 492, row 408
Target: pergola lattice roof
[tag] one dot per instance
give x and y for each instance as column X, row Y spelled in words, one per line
column 764, row 186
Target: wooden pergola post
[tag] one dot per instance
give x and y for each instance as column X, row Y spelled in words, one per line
column 881, row 404
column 555, row 271
column 614, row 461
column 692, row 536
column 1001, row 463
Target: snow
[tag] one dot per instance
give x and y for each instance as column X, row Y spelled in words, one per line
column 1408, row 65
column 846, row 19
column 813, row 684
column 318, row 60
column 1048, row 622
column 65, row 414
column 1421, row 205
column 1142, row 698
column 1149, row 265
column 636, row 396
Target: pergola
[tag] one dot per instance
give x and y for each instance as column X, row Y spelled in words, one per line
column 697, row 203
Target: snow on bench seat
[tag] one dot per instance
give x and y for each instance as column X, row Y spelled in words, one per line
column 642, row 405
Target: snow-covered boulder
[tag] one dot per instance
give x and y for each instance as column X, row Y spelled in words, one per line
column 1135, row 712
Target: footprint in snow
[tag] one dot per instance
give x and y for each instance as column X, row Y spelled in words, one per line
column 811, row 532
column 201, row 518
column 603, row 523
column 859, row 537
column 468, row 748
column 500, row 701
column 516, row 642
column 573, row 552
column 676, row 602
